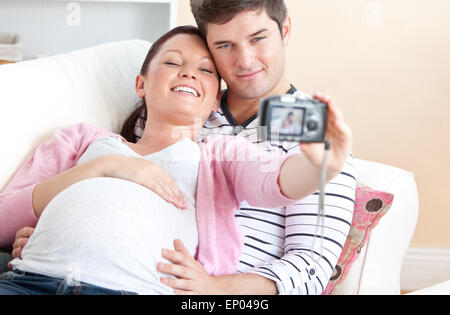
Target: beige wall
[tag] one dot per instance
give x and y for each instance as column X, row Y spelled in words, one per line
column 390, row 74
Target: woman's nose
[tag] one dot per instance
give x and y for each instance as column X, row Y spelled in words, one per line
column 188, row 74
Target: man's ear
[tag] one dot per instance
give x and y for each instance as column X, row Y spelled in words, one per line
column 287, row 29
column 140, row 86
column 217, row 103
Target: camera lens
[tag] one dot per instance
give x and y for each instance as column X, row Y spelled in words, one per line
column 312, row 125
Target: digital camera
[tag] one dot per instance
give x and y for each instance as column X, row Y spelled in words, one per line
column 288, row 118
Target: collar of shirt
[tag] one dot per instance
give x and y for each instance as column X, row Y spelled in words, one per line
column 227, row 113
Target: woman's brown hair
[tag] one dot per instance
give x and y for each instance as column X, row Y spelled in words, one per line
column 139, row 116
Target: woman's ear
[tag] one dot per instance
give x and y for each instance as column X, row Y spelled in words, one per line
column 217, row 103
column 140, row 86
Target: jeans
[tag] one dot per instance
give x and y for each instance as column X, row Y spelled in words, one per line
column 25, row 283
column 4, row 259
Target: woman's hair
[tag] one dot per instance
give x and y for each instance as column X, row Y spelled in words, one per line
column 139, row 116
column 221, row 11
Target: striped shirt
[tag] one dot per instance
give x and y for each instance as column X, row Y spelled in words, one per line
column 291, row 246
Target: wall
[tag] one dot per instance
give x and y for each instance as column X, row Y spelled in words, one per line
column 51, row 27
column 387, row 65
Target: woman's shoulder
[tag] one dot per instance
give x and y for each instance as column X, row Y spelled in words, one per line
column 85, row 131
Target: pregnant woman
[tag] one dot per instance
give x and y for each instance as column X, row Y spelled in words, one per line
column 106, row 207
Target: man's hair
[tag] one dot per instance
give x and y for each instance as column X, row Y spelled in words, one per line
column 223, row 11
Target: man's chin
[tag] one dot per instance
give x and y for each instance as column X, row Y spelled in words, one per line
column 251, row 91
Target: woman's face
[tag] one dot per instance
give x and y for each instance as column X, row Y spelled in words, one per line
column 181, row 83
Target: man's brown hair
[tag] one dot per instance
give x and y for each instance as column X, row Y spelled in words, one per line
column 223, row 11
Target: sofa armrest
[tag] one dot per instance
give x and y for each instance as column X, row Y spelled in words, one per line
column 387, row 246
column 377, row 269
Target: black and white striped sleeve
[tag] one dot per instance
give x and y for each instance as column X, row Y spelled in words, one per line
column 309, row 259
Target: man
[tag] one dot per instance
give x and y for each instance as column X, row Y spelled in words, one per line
column 289, row 126
column 247, row 39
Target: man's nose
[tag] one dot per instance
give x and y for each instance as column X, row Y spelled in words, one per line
column 245, row 58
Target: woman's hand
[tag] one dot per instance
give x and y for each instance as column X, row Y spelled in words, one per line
column 22, row 237
column 339, row 135
column 192, row 278
column 147, row 174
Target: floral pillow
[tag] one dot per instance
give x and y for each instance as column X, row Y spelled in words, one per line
column 370, row 206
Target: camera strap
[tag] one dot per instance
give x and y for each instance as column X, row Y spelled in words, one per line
column 321, row 212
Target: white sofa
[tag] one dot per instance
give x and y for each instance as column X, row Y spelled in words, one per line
column 96, row 85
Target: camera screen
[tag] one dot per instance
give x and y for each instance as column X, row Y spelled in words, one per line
column 287, row 120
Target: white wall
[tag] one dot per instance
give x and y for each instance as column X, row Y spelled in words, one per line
column 51, row 27
column 387, row 64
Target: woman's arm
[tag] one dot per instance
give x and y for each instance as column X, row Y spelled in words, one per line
column 45, row 191
column 52, row 168
column 136, row 170
column 49, row 159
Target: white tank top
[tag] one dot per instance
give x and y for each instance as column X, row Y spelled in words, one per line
column 110, row 232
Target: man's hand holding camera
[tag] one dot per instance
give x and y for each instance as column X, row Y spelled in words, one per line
column 339, row 135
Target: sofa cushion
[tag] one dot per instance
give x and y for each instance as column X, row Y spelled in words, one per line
column 95, row 85
column 370, row 206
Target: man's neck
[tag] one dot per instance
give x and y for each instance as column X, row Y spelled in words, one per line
column 243, row 109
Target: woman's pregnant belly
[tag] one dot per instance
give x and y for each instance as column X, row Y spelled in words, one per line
column 108, row 232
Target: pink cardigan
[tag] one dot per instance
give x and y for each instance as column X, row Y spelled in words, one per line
column 231, row 170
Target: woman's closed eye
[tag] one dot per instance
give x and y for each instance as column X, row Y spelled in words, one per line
column 172, row 64
column 207, row 70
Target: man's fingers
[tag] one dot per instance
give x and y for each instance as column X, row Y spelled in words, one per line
column 175, row 270
column 178, row 245
column 174, row 257
column 179, row 284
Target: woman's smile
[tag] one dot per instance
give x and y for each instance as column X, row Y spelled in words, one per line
column 186, row 90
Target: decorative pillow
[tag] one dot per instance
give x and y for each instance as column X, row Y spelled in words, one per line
column 370, row 206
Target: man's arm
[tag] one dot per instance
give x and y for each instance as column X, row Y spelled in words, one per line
column 245, row 284
column 309, row 260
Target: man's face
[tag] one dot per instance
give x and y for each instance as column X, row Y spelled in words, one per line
column 249, row 52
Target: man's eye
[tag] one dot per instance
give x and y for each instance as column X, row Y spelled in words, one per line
column 171, row 63
column 225, row 46
column 258, row 39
